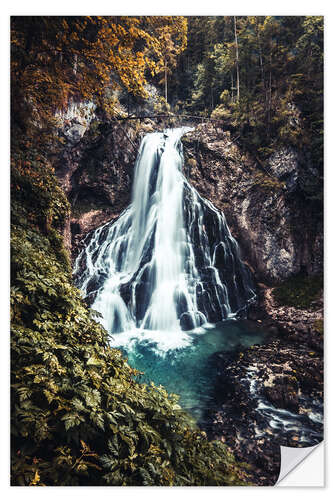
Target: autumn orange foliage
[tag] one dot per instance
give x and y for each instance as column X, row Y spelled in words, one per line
column 58, row 59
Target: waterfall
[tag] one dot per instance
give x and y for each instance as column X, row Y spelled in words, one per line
column 169, row 262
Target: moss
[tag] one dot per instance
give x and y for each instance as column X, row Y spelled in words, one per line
column 57, row 244
column 83, row 206
column 299, row 291
column 266, row 152
column 319, row 326
column 191, row 162
column 186, row 140
column 267, row 183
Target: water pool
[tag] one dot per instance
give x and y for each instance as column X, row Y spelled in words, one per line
column 188, row 368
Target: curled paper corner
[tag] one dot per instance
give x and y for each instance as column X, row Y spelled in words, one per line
column 291, row 458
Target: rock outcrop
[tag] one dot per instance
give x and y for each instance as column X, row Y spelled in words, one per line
column 278, row 232
column 284, row 164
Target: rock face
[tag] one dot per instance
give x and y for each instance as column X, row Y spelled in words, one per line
column 277, row 230
column 96, row 174
column 74, row 122
column 284, row 164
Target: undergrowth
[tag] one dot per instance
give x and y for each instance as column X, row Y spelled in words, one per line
column 300, row 291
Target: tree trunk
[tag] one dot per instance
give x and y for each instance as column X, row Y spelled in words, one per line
column 166, row 81
column 237, row 58
column 260, row 62
column 270, row 89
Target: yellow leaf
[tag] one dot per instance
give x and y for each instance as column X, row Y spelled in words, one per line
column 36, row 479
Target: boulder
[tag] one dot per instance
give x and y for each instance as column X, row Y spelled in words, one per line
column 190, row 320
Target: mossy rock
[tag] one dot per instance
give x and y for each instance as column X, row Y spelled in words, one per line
column 191, row 163
column 267, row 183
column 319, row 326
column 300, row 291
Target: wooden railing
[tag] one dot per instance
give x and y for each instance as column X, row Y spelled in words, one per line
column 170, row 115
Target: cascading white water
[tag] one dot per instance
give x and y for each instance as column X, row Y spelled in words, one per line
column 168, row 258
column 169, row 263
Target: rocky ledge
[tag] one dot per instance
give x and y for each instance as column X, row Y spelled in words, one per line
column 293, row 325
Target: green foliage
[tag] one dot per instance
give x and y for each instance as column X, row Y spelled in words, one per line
column 279, row 61
column 319, row 326
column 79, row 416
column 299, row 291
column 267, row 183
column 161, row 106
column 35, row 189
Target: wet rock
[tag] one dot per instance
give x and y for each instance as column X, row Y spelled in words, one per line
column 220, row 256
column 75, row 133
column 96, row 282
column 282, row 396
column 273, row 329
column 190, row 320
column 141, row 300
column 208, row 274
column 181, row 303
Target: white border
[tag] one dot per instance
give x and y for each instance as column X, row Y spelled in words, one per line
column 171, row 7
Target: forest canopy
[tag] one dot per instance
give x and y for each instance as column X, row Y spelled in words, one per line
column 261, row 75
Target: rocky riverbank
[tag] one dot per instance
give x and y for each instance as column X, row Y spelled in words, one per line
column 272, row 395
column 294, row 325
